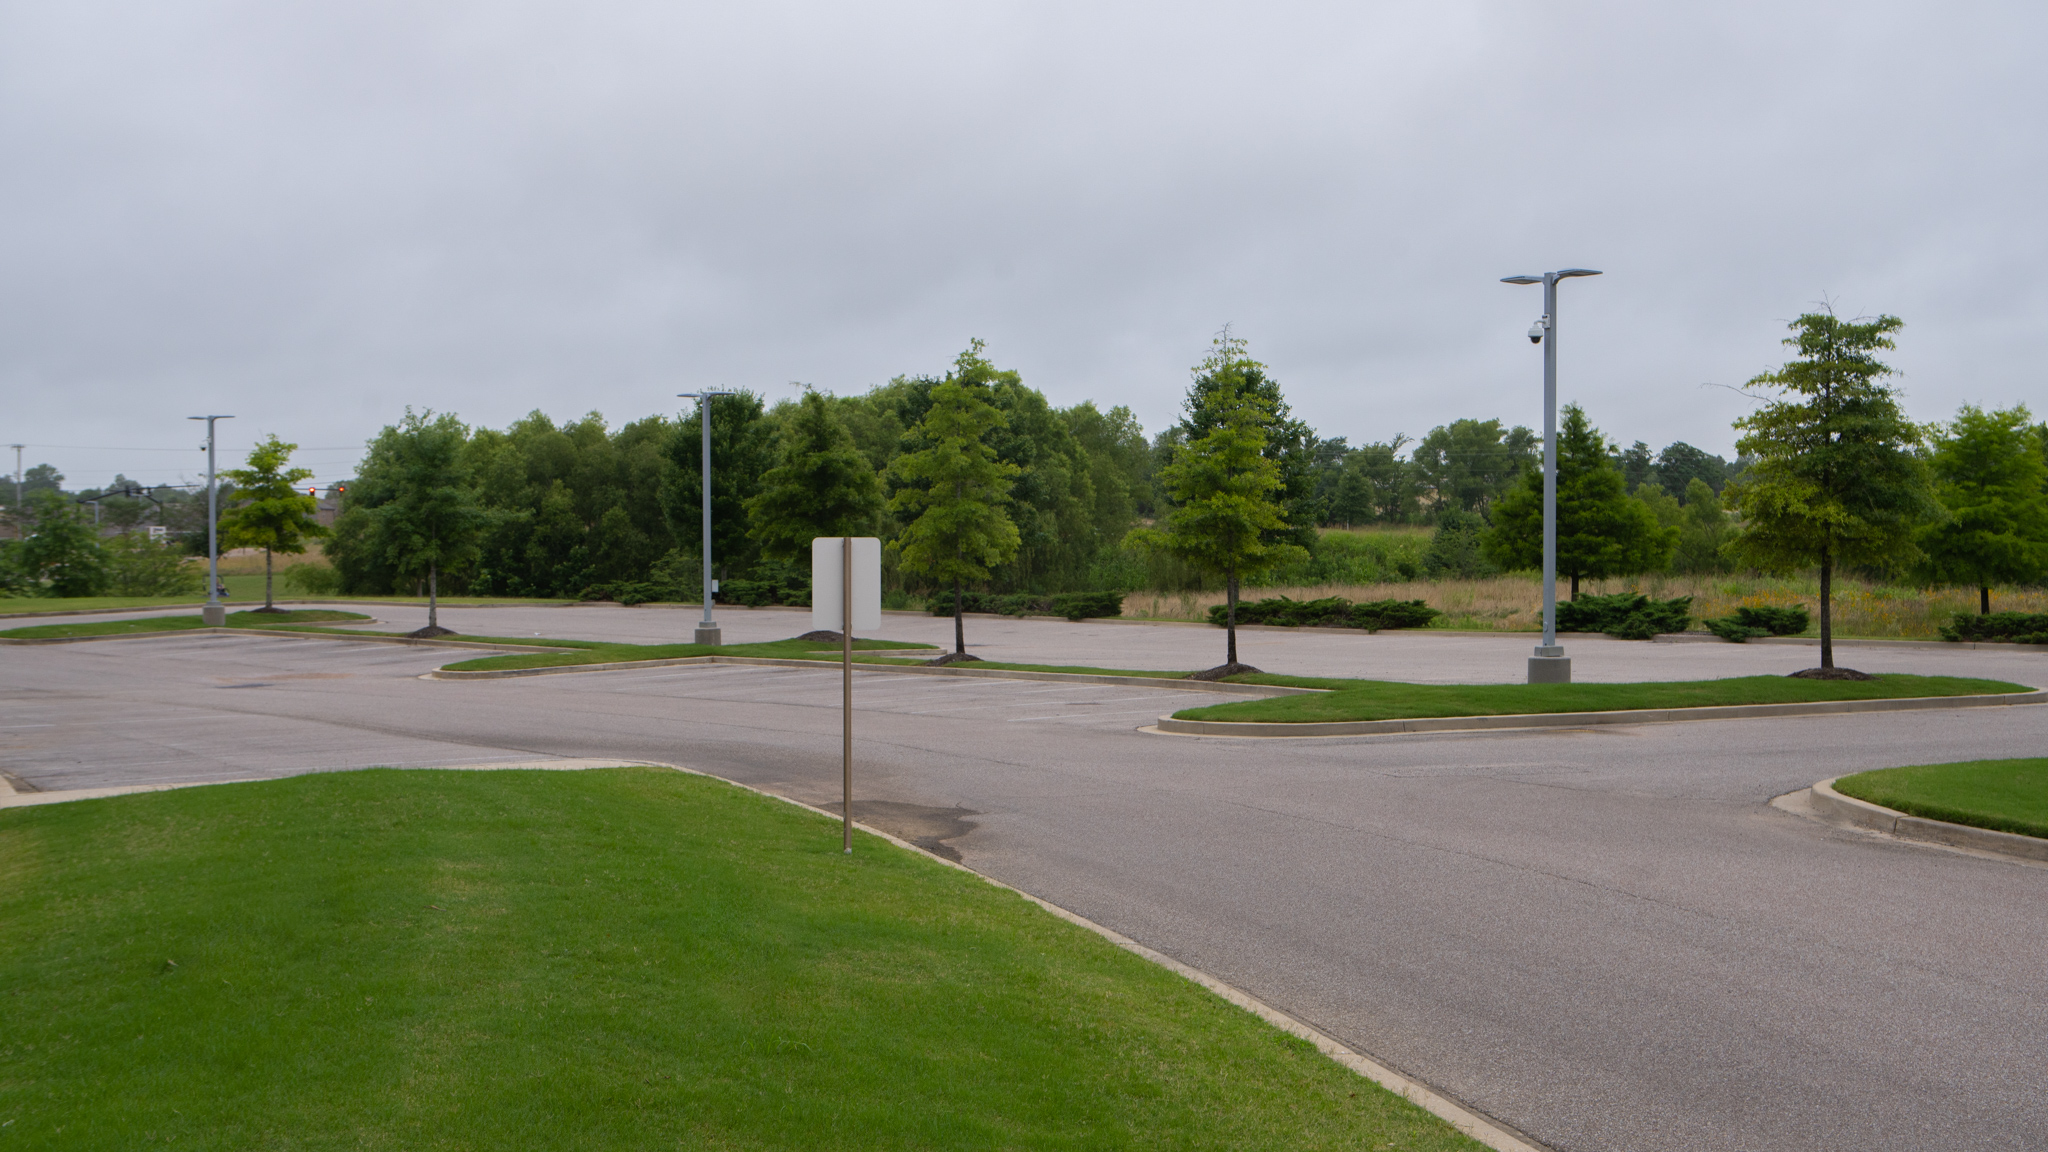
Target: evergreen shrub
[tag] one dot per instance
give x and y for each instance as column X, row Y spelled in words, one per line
column 2011, row 627
column 1330, row 612
column 1625, row 615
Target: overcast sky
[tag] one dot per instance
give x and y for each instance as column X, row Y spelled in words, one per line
column 311, row 215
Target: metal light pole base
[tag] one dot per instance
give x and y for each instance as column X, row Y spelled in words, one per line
column 214, row 615
column 706, row 634
column 1555, row 669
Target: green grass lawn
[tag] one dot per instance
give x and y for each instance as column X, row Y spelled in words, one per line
column 178, row 624
column 1388, row 700
column 622, row 958
column 2005, row 795
column 241, row 590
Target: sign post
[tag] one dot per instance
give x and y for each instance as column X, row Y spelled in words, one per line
column 846, row 593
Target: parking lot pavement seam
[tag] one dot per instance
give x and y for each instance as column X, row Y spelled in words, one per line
column 1268, row 730
column 1478, row 1126
column 1821, row 802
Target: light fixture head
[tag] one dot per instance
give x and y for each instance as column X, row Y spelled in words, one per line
column 1575, row 272
column 1521, row 279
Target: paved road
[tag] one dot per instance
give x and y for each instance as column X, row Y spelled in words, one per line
column 1604, row 937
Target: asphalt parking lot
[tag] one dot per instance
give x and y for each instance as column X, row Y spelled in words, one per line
column 1603, row 937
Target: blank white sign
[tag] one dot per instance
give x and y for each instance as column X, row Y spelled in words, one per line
column 828, row 567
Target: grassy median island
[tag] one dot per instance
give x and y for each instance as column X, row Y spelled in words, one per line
column 621, row 958
column 178, row 624
column 1390, row 700
column 2003, row 795
column 590, row 652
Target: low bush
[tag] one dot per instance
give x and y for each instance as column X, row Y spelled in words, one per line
column 1330, row 612
column 2011, row 627
column 1748, row 623
column 1625, row 615
column 1072, row 605
column 307, row 580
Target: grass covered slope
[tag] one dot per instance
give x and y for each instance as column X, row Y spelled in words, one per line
column 2003, row 795
column 1390, row 700
column 177, row 624
column 625, row 958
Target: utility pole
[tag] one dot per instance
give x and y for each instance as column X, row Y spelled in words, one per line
column 707, row 632
column 215, row 614
column 1549, row 665
column 18, row 533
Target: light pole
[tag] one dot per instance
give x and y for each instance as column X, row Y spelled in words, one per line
column 19, row 532
column 1549, row 665
column 707, row 631
column 215, row 614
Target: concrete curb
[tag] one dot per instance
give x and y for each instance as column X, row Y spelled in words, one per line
column 910, row 669
column 1167, row 725
column 282, row 634
column 1832, row 805
column 1814, row 642
column 1479, row 1127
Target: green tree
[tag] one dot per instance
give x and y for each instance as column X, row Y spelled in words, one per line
column 1601, row 529
column 1468, row 464
column 138, row 565
column 1226, row 376
column 1990, row 476
column 1834, row 479
column 1703, row 532
column 1226, row 518
column 432, row 520
column 273, row 514
column 823, row 485
column 61, row 555
column 1681, row 463
column 953, row 496
column 743, row 444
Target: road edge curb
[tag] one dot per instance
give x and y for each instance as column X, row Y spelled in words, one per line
column 1268, row 730
column 1877, row 818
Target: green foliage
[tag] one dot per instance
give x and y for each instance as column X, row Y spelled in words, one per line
column 1225, row 380
column 954, row 489
column 1469, row 464
column 744, row 445
column 1457, row 549
column 1703, row 532
column 2009, row 627
column 1625, row 615
column 61, row 555
column 1601, row 530
column 414, row 510
column 313, row 579
column 1991, row 479
column 822, row 485
column 1728, row 629
column 137, row 565
column 271, row 512
column 1748, row 623
column 1331, row 612
column 773, row 582
column 1341, row 557
column 1072, row 605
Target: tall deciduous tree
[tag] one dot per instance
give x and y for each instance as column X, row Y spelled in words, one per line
column 1990, row 476
column 1226, row 517
column 823, row 485
column 953, row 496
column 274, row 514
column 1224, row 376
column 1468, row 464
column 742, row 448
column 432, row 520
column 61, row 555
column 1835, row 478
column 1601, row 529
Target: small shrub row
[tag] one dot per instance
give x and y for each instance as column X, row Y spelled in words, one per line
column 1750, row 623
column 1072, row 605
column 1330, row 612
column 2011, row 627
column 1625, row 615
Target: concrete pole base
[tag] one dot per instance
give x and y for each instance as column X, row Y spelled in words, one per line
column 706, row 634
column 214, row 615
column 1550, row 669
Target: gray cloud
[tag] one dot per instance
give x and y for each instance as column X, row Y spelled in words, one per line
column 313, row 215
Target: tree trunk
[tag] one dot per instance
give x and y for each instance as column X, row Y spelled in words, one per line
column 434, row 595
column 1230, row 620
column 1827, row 589
column 1984, row 600
column 1575, row 586
column 959, row 628
column 267, row 604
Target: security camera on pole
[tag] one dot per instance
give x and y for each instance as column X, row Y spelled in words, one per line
column 1549, row 665
column 707, row 631
column 215, row 613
